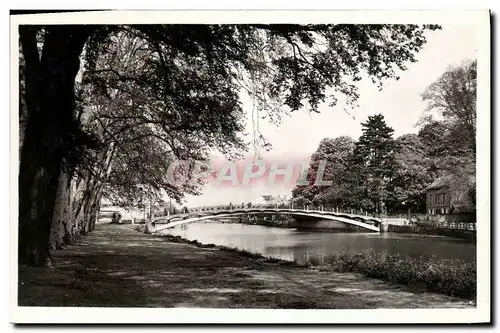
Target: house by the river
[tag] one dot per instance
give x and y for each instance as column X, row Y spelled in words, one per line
column 451, row 194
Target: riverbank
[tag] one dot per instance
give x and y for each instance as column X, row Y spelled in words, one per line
column 469, row 236
column 120, row 267
column 280, row 222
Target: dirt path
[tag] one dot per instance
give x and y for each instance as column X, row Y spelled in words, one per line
column 118, row 266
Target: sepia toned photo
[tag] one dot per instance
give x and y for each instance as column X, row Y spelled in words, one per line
column 171, row 167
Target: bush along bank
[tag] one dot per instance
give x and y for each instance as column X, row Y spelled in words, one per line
column 445, row 276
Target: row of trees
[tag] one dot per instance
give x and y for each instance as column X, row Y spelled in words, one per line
column 380, row 173
column 151, row 94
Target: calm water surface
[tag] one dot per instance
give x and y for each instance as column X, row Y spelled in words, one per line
column 299, row 245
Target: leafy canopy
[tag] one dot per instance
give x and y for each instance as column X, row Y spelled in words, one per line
column 166, row 92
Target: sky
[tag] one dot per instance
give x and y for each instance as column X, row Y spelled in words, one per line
column 399, row 101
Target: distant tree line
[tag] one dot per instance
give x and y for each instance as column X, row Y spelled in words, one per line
column 379, row 173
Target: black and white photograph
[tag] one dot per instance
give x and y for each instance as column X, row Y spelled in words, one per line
column 174, row 166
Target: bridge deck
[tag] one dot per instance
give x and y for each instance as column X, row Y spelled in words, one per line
column 353, row 219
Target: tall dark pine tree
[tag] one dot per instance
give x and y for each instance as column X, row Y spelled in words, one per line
column 373, row 165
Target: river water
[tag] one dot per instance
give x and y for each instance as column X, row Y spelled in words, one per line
column 299, row 245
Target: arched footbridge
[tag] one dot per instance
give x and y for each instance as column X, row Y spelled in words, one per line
column 363, row 221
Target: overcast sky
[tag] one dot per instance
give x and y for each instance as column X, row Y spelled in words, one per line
column 299, row 135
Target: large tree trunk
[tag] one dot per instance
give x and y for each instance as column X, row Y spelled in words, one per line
column 77, row 202
column 23, row 112
column 50, row 101
column 70, row 221
column 61, row 220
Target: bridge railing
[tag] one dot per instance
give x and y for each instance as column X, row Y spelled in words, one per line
column 293, row 206
column 290, row 206
column 470, row 226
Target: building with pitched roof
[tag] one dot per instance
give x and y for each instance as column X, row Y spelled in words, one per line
column 451, row 194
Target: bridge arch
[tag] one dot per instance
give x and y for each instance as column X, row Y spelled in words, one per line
column 365, row 222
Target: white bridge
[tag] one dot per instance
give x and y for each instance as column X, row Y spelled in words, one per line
column 363, row 221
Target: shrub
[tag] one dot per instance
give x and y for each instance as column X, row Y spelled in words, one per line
column 314, row 261
column 451, row 277
column 140, row 228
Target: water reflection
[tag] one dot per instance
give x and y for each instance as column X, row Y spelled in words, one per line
column 291, row 244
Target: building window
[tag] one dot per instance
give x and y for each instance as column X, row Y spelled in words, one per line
column 445, row 198
column 432, row 197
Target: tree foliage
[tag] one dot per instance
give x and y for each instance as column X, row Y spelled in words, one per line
column 154, row 120
column 336, row 154
column 373, row 164
column 182, row 97
column 451, row 136
column 453, row 96
column 398, row 172
column 414, row 172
